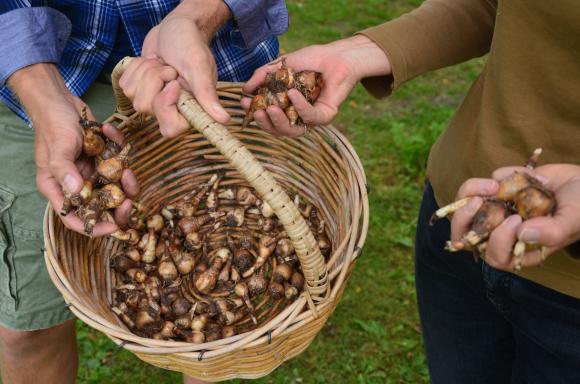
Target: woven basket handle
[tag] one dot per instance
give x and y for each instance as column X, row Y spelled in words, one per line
column 305, row 245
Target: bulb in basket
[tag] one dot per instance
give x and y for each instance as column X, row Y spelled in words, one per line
column 205, row 267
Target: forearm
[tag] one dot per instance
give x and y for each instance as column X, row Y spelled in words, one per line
column 437, row 34
column 38, row 86
column 208, row 15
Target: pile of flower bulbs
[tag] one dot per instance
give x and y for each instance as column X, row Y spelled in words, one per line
column 215, row 264
column 102, row 191
column 274, row 91
column 519, row 193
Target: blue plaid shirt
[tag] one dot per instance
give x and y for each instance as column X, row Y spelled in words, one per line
column 87, row 38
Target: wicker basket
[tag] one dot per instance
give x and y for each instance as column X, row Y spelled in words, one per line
column 322, row 166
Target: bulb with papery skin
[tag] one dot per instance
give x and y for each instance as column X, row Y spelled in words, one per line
column 274, row 91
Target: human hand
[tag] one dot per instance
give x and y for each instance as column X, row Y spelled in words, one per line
column 342, row 64
column 553, row 233
column 54, row 112
column 153, row 81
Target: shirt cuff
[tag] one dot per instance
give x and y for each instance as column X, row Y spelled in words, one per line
column 31, row 36
column 257, row 20
column 383, row 86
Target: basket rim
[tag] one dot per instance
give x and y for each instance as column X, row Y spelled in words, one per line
column 140, row 344
column 123, row 337
column 298, row 314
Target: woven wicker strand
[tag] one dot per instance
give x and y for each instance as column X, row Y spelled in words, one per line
column 322, row 167
column 305, row 245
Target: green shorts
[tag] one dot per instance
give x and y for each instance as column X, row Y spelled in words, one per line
column 28, row 299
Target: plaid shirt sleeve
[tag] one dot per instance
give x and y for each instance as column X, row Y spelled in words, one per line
column 29, row 36
column 257, row 20
column 95, row 28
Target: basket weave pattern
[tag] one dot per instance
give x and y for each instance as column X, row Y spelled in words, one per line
column 321, row 166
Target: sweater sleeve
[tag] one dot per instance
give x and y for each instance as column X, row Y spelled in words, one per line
column 439, row 33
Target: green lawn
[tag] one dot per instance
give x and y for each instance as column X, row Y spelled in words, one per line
column 374, row 335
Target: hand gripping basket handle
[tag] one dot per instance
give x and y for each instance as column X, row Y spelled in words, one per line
column 305, row 245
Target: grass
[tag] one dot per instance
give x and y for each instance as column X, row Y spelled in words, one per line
column 374, row 336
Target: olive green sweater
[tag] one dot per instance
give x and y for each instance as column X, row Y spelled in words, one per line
column 527, row 96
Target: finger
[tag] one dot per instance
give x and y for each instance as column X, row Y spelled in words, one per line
column 129, row 183
column 112, row 133
column 534, row 258
column 153, row 81
column 202, row 82
column 62, row 167
column 280, row 122
column 129, row 71
column 463, row 218
column 50, row 189
column 548, row 231
column 263, row 121
column 563, row 227
column 150, row 42
column 123, row 212
column 104, row 229
column 505, row 172
column 258, row 78
column 171, row 123
column 558, row 174
column 72, row 222
column 320, row 113
column 246, row 103
column 183, row 83
column 499, row 251
column 477, row 187
column 134, row 74
column 542, row 230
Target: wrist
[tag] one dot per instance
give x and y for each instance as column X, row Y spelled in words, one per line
column 208, row 15
column 365, row 57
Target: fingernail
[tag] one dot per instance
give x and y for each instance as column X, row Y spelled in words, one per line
column 530, row 236
column 513, row 221
column 166, row 88
column 543, row 179
column 488, row 185
column 70, row 183
column 217, row 107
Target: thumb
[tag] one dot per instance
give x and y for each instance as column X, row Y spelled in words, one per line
column 205, row 93
column 201, row 79
column 63, row 168
column 319, row 113
column 561, row 229
column 545, row 231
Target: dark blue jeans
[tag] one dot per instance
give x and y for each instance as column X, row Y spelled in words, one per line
column 482, row 325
